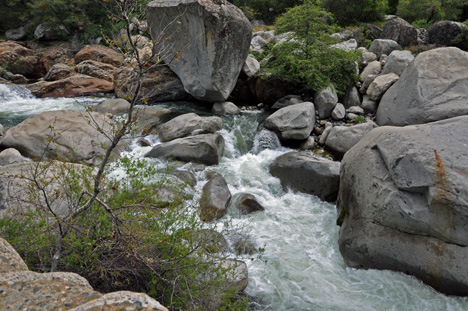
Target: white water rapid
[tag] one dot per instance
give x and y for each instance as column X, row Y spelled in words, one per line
column 301, row 267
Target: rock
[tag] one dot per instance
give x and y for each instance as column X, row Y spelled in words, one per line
column 159, row 84
column 26, row 290
column 149, row 118
column 373, row 31
column 423, row 36
column 18, row 79
column 325, row 101
column 101, row 54
column 402, row 203
column 342, row 36
column 205, row 149
column 367, row 82
column 96, row 69
column 245, row 246
column 301, row 171
column 112, row 106
column 58, row 72
column 399, row 30
column 380, row 85
column 57, row 55
column 339, row 112
column 225, row 108
column 294, row 122
column 265, row 139
column 325, row 133
column 219, row 43
column 185, row 176
column 355, row 110
column 368, row 105
column 122, row 300
column 251, row 66
column 257, row 44
column 48, row 32
column 10, row 261
column 19, row 60
column 215, row 198
column 257, row 23
column 351, row 97
column 383, row 46
column 349, row 45
column 342, row 138
column 368, row 57
column 424, row 93
column 77, row 85
column 373, row 68
column 15, row 34
column 444, row 32
column 185, row 124
column 287, row 100
column 268, row 91
column 397, row 62
column 246, row 203
column 74, row 139
column 10, row 156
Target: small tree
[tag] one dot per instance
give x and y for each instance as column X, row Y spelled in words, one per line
column 349, row 12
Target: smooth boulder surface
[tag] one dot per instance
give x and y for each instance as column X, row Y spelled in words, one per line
column 205, row 149
column 380, row 85
column 184, row 125
column 225, row 108
column 112, row 106
column 397, row 62
column 70, row 136
column 210, row 60
column 10, row 156
column 342, row 138
column 301, row 171
column 325, row 101
column 425, row 93
column 399, row 30
column 403, row 203
column 294, row 122
column 383, row 46
column 101, row 54
column 215, row 198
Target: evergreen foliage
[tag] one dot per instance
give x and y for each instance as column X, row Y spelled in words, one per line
column 349, row 12
column 427, row 12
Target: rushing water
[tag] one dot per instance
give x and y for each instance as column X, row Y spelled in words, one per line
column 301, row 267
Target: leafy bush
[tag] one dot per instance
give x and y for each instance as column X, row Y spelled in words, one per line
column 349, row 12
column 461, row 40
column 267, row 10
column 432, row 11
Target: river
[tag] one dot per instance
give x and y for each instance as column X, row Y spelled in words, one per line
column 301, row 267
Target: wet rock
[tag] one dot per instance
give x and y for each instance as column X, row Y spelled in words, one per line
column 301, row 171
column 245, row 246
column 215, row 198
column 294, row 122
column 225, row 108
column 186, row 124
column 149, row 118
column 246, row 203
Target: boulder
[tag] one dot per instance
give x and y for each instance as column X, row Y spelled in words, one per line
column 17, row 59
column 368, row 105
column 96, row 69
column 294, row 122
column 257, row 44
column 184, row 125
column 303, row 172
column 10, row 156
column 251, row 66
column 349, row 45
column 77, row 85
column 342, row 138
column 101, row 54
column 397, row 62
column 219, row 39
column 368, row 57
column 70, row 136
column 399, row 30
column 423, row 36
column 444, row 32
column 287, row 100
column 225, row 108
column 112, row 106
column 49, row 32
column 373, row 68
column 246, row 203
column 122, row 300
column 15, row 34
column 339, row 112
column 9, row 259
column 351, row 97
column 57, row 55
column 149, row 118
column 380, row 85
column 245, row 246
column 402, row 203
column 269, row 90
column 58, row 72
column 205, row 149
column 383, row 46
column 366, row 83
column 424, row 93
column 215, row 198
column 158, row 84
column 325, row 101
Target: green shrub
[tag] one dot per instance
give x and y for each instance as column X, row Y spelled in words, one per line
column 432, row 11
column 349, row 12
column 461, row 40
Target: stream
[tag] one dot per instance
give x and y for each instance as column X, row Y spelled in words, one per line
column 301, row 267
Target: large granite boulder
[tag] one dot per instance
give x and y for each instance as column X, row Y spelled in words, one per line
column 15, row 34
column 403, row 203
column 301, row 171
column 399, row 30
column 397, row 62
column 325, row 101
column 380, row 85
column 215, row 198
column 444, row 32
column 49, row 32
column 342, row 138
column 425, row 93
column 58, row 54
column 101, row 54
column 186, row 124
column 58, row 72
column 294, row 122
column 122, row 300
column 73, row 86
column 149, row 118
column 210, row 40
column 10, row 260
column 71, row 136
column 205, row 149
column 383, row 46
column 96, row 69
column 17, row 59
column 112, row 106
